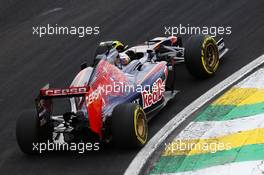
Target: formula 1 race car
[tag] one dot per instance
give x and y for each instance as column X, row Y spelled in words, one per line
column 113, row 100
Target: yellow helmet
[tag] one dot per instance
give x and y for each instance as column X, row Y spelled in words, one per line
column 118, row 45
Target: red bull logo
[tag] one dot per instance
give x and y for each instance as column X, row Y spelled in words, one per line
column 154, row 95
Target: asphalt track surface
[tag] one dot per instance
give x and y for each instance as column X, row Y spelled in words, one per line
column 28, row 62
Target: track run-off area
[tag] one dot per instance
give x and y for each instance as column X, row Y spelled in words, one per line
column 227, row 136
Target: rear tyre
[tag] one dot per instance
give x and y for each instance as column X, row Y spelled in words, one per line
column 129, row 126
column 201, row 56
column 27, row 131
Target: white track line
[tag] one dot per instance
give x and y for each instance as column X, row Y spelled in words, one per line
column 213, row 129
column 145, row 153
column 253, row 81
column 241, row 168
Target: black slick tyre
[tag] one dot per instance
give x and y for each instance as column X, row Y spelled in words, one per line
column 129, row 126
column 27, row 131
column 201, row 56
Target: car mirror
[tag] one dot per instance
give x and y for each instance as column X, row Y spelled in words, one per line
column 83, row 65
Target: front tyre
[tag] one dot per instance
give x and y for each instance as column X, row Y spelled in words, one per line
column 27, row 131
column 201, row 56
column 129, row 126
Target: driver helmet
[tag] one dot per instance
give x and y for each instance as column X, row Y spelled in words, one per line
column 118, row 45
column 122, row 59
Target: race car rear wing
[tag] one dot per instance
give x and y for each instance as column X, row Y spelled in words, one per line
column 47, row 92
column 44, row 102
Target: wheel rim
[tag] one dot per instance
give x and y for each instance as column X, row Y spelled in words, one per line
column 140, row 125
column 141, row 130
column 211, row 57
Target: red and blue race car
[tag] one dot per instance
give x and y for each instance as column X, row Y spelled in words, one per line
column 114, row 99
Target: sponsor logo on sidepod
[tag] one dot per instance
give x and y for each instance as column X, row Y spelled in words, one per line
column 151, row 97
